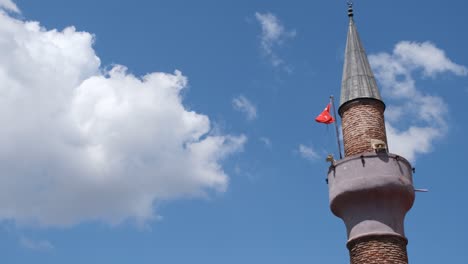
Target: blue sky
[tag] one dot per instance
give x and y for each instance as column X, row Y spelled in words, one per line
column 183, row 131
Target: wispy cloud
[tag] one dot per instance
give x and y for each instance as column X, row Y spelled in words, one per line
column 266, row 141
column 36, row 245
column 307, row 152
column 424, row 114
column 273, row 35
column 242, row 104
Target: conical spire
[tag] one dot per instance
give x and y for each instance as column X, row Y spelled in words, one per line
column 358, row 80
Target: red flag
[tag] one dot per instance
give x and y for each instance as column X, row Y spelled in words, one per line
column 325, row 117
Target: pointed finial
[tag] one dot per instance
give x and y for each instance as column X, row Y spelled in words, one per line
column 350, row 9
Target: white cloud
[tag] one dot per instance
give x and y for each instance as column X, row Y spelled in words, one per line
column 415, row 119
column 427, row 56
column 413, row 140
column 79, row 143
column 9, row 5
column 273, row 35
column 242, row 104
column 308, row 153
column 36, row 245
column 393, row 113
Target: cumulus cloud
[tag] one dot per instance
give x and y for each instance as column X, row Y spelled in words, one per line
column 308, row 153
column 415, row 118
column 79, row 143
column 428, row 57
column 273, row 34
column 9, row 6
column 242, row 104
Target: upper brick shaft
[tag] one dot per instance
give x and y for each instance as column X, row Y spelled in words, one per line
column 362, row 120
column 378, row 250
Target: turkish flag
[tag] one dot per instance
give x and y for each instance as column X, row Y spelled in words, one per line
column 325, row 117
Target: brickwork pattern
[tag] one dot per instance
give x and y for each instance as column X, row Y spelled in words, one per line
column 362, row 121
column 385, row 249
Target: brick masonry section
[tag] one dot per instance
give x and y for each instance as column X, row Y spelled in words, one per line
column 362, row 120
column 383, row 249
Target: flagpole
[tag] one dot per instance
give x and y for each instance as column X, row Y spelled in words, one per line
column 332, row 102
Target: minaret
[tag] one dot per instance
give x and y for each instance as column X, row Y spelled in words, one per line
column 371, row 190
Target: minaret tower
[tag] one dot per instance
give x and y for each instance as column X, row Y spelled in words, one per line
column 370, row 189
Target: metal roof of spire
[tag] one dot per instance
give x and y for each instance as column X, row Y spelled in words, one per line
column 358, row 80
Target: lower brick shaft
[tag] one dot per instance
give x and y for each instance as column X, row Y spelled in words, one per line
column 381, row 249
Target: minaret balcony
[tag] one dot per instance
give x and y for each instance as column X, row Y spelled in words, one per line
column 371, row 192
